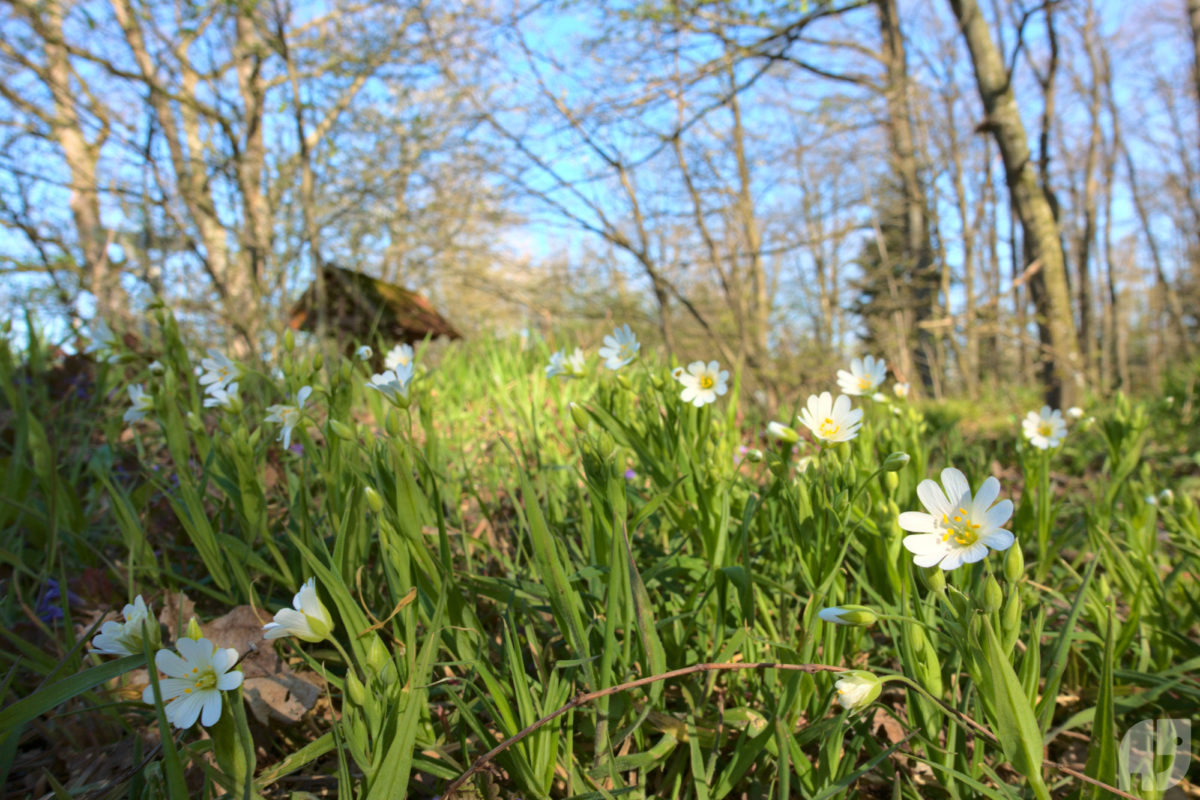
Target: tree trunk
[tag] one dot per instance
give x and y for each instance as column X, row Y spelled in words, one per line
column 917, row 258
column 1043, row 245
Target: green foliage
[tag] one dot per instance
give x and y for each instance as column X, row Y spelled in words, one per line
column 505, row 543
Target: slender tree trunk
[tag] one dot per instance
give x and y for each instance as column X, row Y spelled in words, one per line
column 1193, row 11
column 1029, row 198
column 917, row 258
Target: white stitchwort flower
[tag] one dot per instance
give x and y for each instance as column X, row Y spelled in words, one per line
column 857, row 689
column 141, row 404
column 393, row 384
column 364, row 353
column 399, row 356
column 848, row 615
column 125, row 639
column 1075, row 412
column 104, row 342
column 289, row 416
column 226, row 398
column 958, row 528
column 307, row 619
column 900, row 390
column 620, row 347
column 703, row 382
column 831, row 420
column 216, row 371
column 864, row 376
column 1044, row 429
column 196, row 676
column 566, row 366
column 782, row 433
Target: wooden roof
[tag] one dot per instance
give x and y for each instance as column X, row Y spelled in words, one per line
column 361, row 307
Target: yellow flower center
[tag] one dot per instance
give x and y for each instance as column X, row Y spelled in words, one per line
column 203, row 680
column 706, row 382
column 829, row 428
column 864, row 384
column 1045, row 430
column 960, row 528
column 624, row 351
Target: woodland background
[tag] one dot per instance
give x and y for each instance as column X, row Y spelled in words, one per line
column 986, row 193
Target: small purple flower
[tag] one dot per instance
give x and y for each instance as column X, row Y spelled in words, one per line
column 297, row 448
column 630, row 474
column 48, row 608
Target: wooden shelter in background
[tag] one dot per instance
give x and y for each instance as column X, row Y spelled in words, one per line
column 359, row 308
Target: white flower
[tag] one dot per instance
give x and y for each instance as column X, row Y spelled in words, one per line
column 864, row 376
column 1166, row 496
column 216, row 371
column 196, row 678
column 958, row 529
column 831, row 420
column 1075, row 412
column 848, row 615
column 399, row 356
column 104, row 342
column 901, row 390
column 393, row 384
column 857, row 689
column 117, row 639
column 566, row 366
column 142, row 404
column 879, row 397
column 782, row 433
column 1044, row 429
column 619, row 348
column 222, row 397
column 364, row 353
column 702, row 383
column 308, row 619
column 288, row 416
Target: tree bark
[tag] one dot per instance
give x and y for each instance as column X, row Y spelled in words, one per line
column 917, row 258
column 1053, row 305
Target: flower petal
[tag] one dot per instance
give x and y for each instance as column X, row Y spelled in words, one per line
column 999, row 539
column 924, row 544
column 172, row 664
column 987, row 494
column 976, row 552
column 916, row 521
column 956, row 485
column 212, row 708
column 933, row 498
column 954, row 559
column 999, row 514
column 230, row 680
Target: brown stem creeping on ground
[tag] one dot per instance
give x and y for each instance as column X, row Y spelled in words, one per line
column 583, row 699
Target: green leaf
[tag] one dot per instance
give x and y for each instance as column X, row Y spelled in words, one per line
column 55, row 694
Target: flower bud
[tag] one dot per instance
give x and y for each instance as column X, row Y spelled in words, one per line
column 342, row 431
column 580, row 416
column 754, row 456
column 377, row 655
column 993, row 596
column 625, row 382
column 782, row 433
column 1166, row 497
column 355, row 688
column 896, row 462
column 891, row 480
column 374, row 501
column 934, row 578
column 289, row 341
column 156, row 368
column 857, row 689
column 193, row 630
column 318, row 362
column 364, row 353
column 1014, row 563
column 392, row 424
column 345, row 371
column 848, row 615
column 194, row 423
